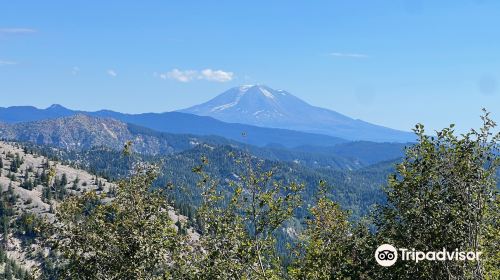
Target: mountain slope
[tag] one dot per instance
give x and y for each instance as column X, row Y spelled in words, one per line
column 263, row 106
column 79, row 132
column 174, row 122
column 353, row 189
column 31, row 198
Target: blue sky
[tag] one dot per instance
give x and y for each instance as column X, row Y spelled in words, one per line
column 390, row 62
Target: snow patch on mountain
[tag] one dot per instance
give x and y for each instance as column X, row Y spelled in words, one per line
column 224, row 107
column 246, row 87
column 266, row 93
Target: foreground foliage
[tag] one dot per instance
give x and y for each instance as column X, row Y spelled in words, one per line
column 129, row 237
column 443, row 196
column 238, row 232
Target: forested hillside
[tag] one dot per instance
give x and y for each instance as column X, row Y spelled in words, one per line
column 356, row 190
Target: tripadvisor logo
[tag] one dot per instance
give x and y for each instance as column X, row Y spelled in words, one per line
column 387, row 255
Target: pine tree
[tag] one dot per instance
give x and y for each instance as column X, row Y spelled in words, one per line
column 8, row 271
column 13, row 166
column 64, row 179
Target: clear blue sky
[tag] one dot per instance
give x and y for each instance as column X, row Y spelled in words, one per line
column 390, row 62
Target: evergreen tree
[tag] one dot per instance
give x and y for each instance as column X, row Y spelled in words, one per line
column 64, row 179
column 8, row 271
column 13, row 167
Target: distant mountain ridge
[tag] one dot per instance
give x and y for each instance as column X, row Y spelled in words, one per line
column 255, row 114
column 15, row 114
column 180, row 123
column 263, row 106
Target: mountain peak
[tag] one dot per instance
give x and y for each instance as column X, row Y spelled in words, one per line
column 258, row 89
column 262, row 89
column 254, row 101
column 261, row 105
column 56, row 107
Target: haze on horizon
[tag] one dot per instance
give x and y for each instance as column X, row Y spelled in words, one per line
column 393, row 63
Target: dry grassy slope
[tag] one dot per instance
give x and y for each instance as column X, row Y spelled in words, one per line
column 31, row 201
column 35, row 162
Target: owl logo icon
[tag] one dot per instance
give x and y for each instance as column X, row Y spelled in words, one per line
column 386, row 255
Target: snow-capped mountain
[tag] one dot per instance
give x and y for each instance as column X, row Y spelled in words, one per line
column 263, row 106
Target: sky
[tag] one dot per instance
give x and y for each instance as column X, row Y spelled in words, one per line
column 394, row 62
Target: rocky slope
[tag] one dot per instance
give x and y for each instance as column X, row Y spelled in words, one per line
column 82, row 131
